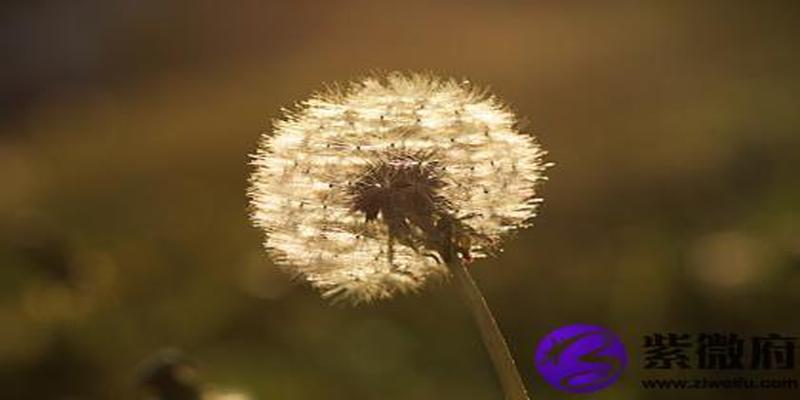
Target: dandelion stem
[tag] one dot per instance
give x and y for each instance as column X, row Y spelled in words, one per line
column 493, row 339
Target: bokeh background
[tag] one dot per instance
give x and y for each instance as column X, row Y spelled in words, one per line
column 125, row 129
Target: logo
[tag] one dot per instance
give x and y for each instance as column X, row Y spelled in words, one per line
column 581, row 358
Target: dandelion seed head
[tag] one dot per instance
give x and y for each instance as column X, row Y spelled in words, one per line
column 359, row 188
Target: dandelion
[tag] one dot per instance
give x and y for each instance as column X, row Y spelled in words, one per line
column 375, row 188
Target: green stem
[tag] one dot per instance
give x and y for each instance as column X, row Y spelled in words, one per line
column 493, row 339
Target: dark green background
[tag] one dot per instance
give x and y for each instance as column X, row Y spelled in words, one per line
column 124, row 133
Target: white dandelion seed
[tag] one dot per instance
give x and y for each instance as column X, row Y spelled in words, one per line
column 362, row 189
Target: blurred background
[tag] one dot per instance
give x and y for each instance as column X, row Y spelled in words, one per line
column 128, row 267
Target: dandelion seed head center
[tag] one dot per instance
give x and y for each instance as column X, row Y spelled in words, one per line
column 399, row 185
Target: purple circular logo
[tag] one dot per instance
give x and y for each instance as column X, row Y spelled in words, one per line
column 581, row 358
